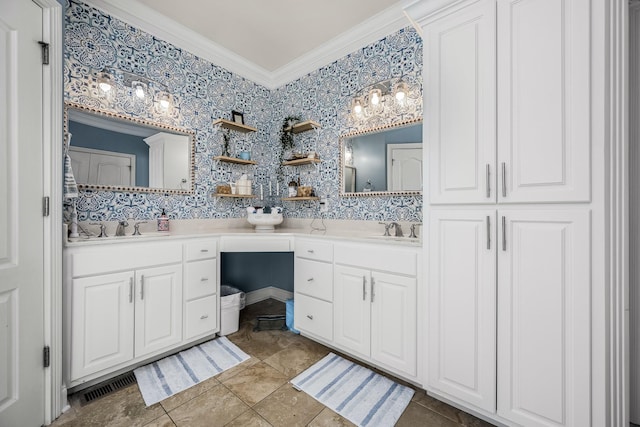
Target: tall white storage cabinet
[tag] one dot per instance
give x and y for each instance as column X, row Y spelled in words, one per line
column 507, row 113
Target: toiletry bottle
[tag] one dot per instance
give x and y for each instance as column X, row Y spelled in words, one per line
column 163, row 222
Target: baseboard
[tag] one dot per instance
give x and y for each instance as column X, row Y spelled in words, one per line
column 266, row 293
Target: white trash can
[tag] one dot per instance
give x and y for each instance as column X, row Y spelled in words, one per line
column 232, row 300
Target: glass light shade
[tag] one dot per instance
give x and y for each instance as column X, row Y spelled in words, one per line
column 139, row 89
column 165, row 101
column 375, row 97
column 356, row 105
column 400, row 91
column 105, row 81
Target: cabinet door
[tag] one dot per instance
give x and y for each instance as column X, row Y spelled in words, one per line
column 394, row 321
column 544, row 100
column 459, row 102
column 158, row 308
column 101, row 322
column 544, row 318
column 461, row 343
column 352, row 309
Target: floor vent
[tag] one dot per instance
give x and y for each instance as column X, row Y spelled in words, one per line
column 106, row 388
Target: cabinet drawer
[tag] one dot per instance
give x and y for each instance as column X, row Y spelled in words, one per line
column 200, row 249
column 201, row 316
column 313, row 249
column 314, row 278
column 199, row 279
column 314, row 316
column 378, row 257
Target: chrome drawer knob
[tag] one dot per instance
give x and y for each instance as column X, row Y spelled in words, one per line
column 310, row 317
column 204, row 316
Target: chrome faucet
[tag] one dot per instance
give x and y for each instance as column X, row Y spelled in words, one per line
column 386, row 228
column 413, row 234
column 398, row 229
column 136, row 228
column 121, row 226
column 103, row 229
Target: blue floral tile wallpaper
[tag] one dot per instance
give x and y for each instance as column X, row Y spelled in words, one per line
column 203, row 92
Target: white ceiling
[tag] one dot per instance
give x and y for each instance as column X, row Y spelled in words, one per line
column 268, row 41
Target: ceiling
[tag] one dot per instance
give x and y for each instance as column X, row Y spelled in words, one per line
column 269, row 41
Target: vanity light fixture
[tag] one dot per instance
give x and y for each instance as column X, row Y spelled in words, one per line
column 105, row 81
column 164, row 101
column 111, row 81
column 139, row 88
column 371, row 100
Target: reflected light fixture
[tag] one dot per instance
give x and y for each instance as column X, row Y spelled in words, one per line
column 372, row 99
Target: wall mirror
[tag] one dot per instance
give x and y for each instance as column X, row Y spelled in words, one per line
column 382, row 161
column 114, row 152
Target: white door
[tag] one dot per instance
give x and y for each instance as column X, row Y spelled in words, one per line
column 158, row 308
column 100, row 167
column 544, row 100
column 394, row 321
column 21, row 220
column 544, row 375
column 352, row 309
column 459, row 102
column 404, row 167
column 461, row 343
column 101, row 322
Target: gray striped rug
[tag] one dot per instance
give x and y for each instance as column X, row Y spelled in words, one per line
column 171, row 375
column 355, row 392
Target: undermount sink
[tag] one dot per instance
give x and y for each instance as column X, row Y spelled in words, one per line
column 264, row 222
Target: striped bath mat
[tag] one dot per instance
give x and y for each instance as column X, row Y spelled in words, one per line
column 357, row 393
column 171, row 375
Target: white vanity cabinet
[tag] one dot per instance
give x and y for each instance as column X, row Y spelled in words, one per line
column 127, row 302
column 375, row 304
column 313, row 283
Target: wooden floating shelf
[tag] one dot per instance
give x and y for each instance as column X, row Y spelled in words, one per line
column 299, row 162
column 237, row 196
column 295, row 199
column 235, row 160
column 239, row 127
column 303, row 126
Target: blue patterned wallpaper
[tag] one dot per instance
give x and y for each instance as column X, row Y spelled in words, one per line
column 203, row 92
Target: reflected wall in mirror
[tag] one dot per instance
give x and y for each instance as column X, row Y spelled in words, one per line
column 119, row 153
column 382, row 161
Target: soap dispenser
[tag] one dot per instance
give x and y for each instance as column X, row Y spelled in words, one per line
column 163, row 222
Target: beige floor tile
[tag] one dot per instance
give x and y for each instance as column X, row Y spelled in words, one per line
column 469, row 420
column 249, row 419
column 263, row 344
column 448, row 411
column 328, row 418
column 178, row 399
column 255, row 383
column 287, row 407
column 237, row 369
column 123, row 408
column 215, row 407
column 163, row 421
column 296, row 358
column 418, row 415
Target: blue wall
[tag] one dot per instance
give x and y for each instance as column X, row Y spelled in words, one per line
column 256, row 270
column 102, row 139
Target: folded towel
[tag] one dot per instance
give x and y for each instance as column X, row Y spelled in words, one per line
column 70, row 187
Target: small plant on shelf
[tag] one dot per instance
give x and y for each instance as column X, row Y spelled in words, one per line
column 286, row 139
column 226, row 139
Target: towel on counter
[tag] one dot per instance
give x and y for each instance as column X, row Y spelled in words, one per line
column 70, row 187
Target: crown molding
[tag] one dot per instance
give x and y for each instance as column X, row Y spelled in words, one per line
column 373, row 29
column 146, row 19
column 158, row 25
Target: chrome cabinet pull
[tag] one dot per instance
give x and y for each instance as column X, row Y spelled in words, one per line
column 142, row 287
column 488, row 232
column 204, row 316
column 373, row 292
column 204, row 250
column 310, row 279
column 204, row 279
column 504, row 179
column 504, row 233
column 310, row 317
column 488, row 181
column 364, row 288
column 310, row 251
column 131, row 289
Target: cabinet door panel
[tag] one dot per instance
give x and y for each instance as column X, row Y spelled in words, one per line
column 460, row 97
column 158, row 308
column 394, row 321
column 543, row 100
column 101, row 323
column 352, row 309
column 544, row 317
column 461, row 342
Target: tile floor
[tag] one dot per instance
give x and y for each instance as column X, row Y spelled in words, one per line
column 254, row 393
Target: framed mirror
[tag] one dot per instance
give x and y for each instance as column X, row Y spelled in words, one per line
column 114, row 152
column 382, row 161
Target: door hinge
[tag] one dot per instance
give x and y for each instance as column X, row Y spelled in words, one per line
column 45, row 52
column 46, row 356
column 45, row 206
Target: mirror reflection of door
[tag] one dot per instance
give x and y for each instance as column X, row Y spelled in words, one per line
column 103, row 167
column 404, row 167
column 349, row 179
